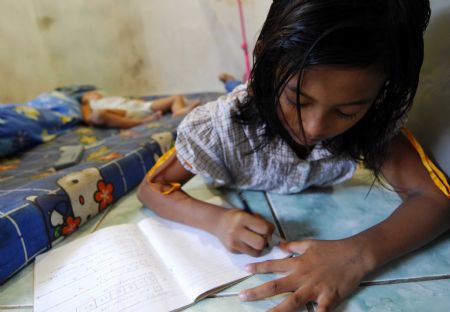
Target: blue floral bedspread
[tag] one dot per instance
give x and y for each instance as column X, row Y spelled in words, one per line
column 39, row 205
column 40, row 120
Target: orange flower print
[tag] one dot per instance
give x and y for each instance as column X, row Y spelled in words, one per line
column 71, row 225
column 111, row 156
column 104, row 196
column 7, row 167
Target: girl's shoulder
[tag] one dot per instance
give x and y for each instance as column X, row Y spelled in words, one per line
column 217, row 114
column 228, row 103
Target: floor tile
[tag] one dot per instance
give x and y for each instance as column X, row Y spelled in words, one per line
column 347, row 209
column 432, row 296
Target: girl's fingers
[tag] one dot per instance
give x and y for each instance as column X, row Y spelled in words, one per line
column 298, row 247
column 269, row 289
column 323, row 309
column 254, row 240
column 270, row 266
column 324, row 303
column 298, row 299
column 247, row 249
column 259, row 225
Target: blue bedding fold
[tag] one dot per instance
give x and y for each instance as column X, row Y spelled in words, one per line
column 23, row 126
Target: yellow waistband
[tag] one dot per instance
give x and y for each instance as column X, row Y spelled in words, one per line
column 436, row 175
column 157, row 186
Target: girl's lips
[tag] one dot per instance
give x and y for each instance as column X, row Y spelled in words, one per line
column 301, row 141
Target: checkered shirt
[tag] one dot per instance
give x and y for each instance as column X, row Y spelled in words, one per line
column 210, row 143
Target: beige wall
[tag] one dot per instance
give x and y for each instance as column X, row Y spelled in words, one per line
column 430, row 116
column 137, row 47
column 127, row 47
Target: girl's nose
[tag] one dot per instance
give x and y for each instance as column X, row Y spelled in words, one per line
column 314, row 127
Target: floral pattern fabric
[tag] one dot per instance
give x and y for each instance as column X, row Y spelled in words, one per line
column 39, row 205
column 40, row 120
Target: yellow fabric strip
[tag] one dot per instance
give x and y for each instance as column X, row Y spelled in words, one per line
column 436, row 175
column 157, row 186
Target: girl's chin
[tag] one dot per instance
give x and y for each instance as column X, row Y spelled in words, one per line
column 300, row 141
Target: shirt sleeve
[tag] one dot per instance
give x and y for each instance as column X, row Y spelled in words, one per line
column 199, row 146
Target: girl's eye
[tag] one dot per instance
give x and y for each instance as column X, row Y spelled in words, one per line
column 291, row 101
column 294, row 103
column 346, row 116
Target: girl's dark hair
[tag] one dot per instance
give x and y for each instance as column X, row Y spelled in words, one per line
column 348, row 33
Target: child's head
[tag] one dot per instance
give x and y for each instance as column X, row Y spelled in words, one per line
column 92, row 95
column 372, row 49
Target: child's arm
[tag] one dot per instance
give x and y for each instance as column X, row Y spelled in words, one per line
column 86, row 111
column 423, row 215
column 238, row 230
column 329, row 271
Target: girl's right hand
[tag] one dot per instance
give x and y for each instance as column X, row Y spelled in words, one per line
column 242, row 232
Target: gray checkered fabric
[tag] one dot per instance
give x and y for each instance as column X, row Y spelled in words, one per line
column 211, row 144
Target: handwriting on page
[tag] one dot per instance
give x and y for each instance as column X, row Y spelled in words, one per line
column 110, row 270
column 207, row 264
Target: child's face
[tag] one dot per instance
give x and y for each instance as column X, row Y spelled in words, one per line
column 92, row 95
column 332, row 100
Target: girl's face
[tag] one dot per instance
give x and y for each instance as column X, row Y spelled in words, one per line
column 332, row 100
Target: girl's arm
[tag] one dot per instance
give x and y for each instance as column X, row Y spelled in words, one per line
column 423, row 215
column 329, row 271
column 238, row 230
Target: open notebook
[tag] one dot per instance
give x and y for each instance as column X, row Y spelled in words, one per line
column 155, row 265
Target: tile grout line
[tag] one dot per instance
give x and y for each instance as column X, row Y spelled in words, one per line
column 405, row 280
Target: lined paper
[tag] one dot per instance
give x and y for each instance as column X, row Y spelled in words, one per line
column 156, row 265
column 114, row 269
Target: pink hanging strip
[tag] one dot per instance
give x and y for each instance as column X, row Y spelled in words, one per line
column 244, row 45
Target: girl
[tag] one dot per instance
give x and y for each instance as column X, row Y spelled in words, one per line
column 331, row 84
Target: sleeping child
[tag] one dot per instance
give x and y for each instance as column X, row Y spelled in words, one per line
column 123, row 112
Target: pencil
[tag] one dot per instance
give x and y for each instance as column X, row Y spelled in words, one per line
column 275, row 238
column 244, row 202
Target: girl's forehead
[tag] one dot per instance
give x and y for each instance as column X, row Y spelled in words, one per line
column 338, row 79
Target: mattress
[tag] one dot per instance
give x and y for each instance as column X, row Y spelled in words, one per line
column 39, row 206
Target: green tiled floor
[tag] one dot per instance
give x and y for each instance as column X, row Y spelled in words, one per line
column 432, row 296
column 327, row 214
column 348, row 209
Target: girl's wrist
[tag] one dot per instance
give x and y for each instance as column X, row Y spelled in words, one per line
column 366, row 255
column 213, row 224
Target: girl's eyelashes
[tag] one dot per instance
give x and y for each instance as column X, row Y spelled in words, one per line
column 291, row 101
column 346, row 116
column 303, row 104
column 294, row 103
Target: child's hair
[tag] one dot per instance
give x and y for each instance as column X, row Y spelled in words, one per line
column 387, row 34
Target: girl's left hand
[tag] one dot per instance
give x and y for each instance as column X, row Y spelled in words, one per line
column 325, row 272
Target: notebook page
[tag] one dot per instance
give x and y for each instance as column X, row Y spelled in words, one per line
column 114, row 269
column 199, row 260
